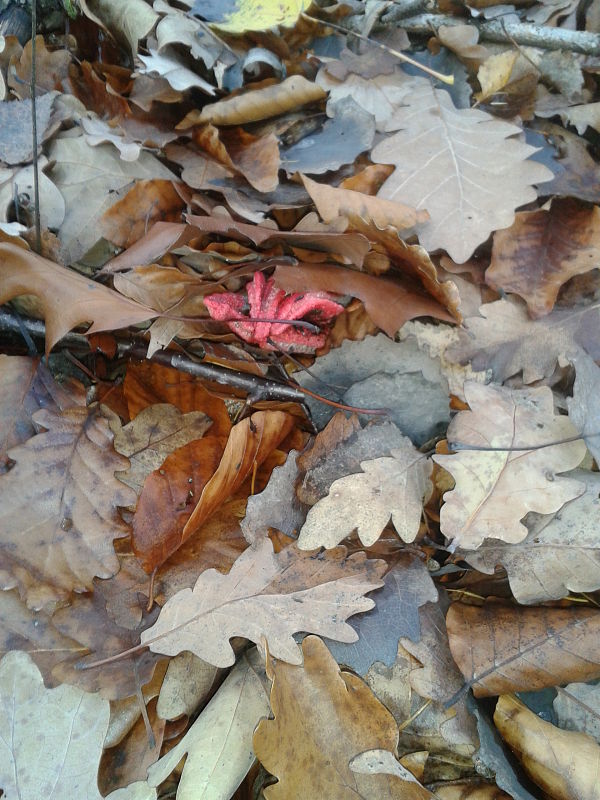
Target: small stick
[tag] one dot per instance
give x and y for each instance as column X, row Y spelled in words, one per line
column 448, row 79
column 36, row 186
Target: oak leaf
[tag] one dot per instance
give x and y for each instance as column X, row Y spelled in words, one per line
column 496, row 488
column 59, row 510
column 543, row 249
column 340, row 718
column 387, row 488
column 266, row 595
column 68, row 298
column 442, row 165
column 502, row 648
column 559, row 555
column 584, row 406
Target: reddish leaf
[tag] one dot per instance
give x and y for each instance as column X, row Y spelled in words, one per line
column 268, row 303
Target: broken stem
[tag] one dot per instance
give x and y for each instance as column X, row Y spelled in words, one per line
column 448, row 79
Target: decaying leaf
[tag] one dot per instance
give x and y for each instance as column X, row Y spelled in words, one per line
column 219, row 743
column 442, row 165
column 388, row 488
column 543, row 249
column 565, row 764
column 339, row 718
column 249, row 443
column 496, row 488
column 64, row 727
column 560, row 554
column 259, row 599
column 59, row 510
column 259, row 104
column 68, row 299
column 502, row 648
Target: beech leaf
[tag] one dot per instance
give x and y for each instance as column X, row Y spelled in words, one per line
column 254, row 601
column 443, row 166
column 496, row 488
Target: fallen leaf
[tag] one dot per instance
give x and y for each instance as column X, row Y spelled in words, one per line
column 239, row 16
column 388, row 304
column 253, row 601
column 15, row 123
column 154, row 434
column 387, row 488
column 257, row 104
column 468, row 790
column 52, row 67
column 249, row 444
column 188, row 682
column 90, row 180
column 564, row 764
column 507, row 341
column 65, row 727
column 462, row 40
column 26, row 385
column 495, row 489
column 130, row 24
column 68, row 298
column 584, row 406
column 542, row 250
column 506, row 648
column 441, row 143
column 147, row 202
column 219, row 743
column 383, row 762
column 348, row 133
column 256, row 158
column 167, row 499
column 267, row 305
column 559, row 555
column 340, row 718
column 577, row 708
column 148, row 383
column 179, row 28
column 172, row 67
column 98, row 131
column 408, row 586
column 59, row 513
column 86, row 620
column 333, row 202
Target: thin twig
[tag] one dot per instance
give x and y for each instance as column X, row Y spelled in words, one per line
column 36, row 185
column 449, row 79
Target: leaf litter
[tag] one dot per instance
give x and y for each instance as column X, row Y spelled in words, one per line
column 320, row 341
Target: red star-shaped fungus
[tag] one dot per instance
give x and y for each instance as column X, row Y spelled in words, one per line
column 268, row 303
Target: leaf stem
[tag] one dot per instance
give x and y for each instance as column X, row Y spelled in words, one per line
column 36, row 186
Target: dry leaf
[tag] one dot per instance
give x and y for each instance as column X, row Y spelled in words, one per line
column 26, row 385
column 564, row 764
column 443, row 165
column 154, row 434
column 187, row 684
column 505, row 648
column 388, row 304
column 507, row 341
column 68, row 298
column 495, row 489
column 219, row 743
column 52, row 737
column 462, row 40
column 561, row 553
column 387, row 488
column 339, row 718
column 577, row 708
column 249, row 444
column 59, row 512
column 584, row 406
column 543, row 249
column 470, row 790
column 332, row 202
column 257, row 104
column 259, row 599
column 130, row 24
